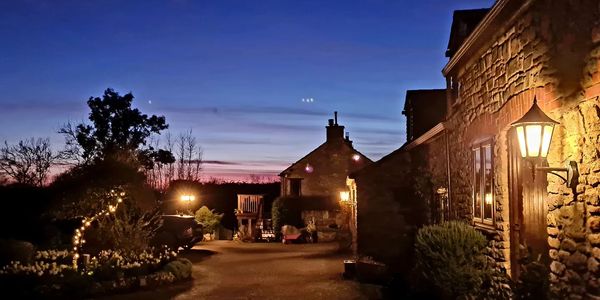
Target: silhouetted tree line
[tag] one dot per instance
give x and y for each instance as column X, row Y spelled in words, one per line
column 118, row 146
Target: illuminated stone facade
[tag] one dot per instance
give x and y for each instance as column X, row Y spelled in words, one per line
column 320, row 176
column 547, row 49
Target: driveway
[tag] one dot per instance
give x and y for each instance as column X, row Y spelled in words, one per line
column 233, row 270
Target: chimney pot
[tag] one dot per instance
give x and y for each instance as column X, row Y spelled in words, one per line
column 335, row 116
column 330, row 122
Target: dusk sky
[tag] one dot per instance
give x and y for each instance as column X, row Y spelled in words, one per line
column 235, row 72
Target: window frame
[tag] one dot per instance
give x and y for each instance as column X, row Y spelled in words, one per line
column 480, row 147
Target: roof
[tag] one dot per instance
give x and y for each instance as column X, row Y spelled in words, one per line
column 422, row 96
column 348, row 143
column 502, row 14
column 433, row 132
column 423, row 110
column 463, row 23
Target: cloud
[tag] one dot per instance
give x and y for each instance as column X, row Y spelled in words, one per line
column 272, row 110
column 32, row 106
column 220, row 162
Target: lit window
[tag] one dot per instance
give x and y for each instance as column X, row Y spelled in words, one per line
column 483, row 187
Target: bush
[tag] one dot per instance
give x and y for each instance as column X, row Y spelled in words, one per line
column 129, row 230
column 534, row 281
column 208, row 219
column 286, row 211
column 451, row 263
column 180, row 268
column 13, row 250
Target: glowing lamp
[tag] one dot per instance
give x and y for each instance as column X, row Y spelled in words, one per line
column 345, row 196
column 488, row 198
column 534, row 132
column 308, row 168
column 187, row 198
column 355, row 157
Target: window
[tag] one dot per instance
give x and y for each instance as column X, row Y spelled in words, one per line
column 295, row 186
column 483, row 192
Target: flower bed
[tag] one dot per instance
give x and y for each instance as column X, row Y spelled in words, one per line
column 53, row 274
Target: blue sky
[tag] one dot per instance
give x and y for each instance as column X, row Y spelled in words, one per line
column 235, row 72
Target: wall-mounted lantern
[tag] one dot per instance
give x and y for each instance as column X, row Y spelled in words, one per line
column 534, row 132
column 345, row 196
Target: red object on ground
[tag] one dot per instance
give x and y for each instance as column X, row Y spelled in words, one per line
column 290, row 237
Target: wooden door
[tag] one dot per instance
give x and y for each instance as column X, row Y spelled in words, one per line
column 528, row 209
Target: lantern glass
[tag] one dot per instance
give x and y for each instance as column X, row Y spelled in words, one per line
column 534, row 139
column 522, row 144
column 547, row 137
column 533, row 135
column 344, row 196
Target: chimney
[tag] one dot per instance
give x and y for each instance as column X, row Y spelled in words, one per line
column 348, row 138
column 334, row 130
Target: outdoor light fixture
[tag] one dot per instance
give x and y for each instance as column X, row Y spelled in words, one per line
column 344, row 196
column 187, row 198
column 534, row 132
column 355, row 157
column 308, row 168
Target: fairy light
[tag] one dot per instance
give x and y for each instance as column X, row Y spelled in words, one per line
column 78, row 240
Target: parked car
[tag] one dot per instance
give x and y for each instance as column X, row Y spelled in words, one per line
column 179, row 231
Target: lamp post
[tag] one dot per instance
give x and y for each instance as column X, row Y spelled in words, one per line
column 188, row 199
column 534, row 133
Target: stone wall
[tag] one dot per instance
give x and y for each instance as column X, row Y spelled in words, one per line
column 395, row 197
column 383, row 210
column 550, row 51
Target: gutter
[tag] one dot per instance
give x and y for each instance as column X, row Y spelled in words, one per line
column 424, row 137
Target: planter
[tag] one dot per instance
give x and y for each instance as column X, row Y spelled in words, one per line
column 326, row 236
column 349, row 268
column 372, row 272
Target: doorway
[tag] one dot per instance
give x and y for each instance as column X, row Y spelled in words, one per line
column 528, row 209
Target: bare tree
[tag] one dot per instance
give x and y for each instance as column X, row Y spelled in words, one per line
column 27, row 162
column 189, row 157
column 185, row 164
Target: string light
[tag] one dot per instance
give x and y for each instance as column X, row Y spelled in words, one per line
column 78, row 240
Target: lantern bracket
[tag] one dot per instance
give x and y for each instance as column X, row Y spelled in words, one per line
column 572, row 177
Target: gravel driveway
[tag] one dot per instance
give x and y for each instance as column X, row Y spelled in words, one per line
column 232, row 270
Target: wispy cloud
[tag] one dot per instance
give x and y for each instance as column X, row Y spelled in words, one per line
column 36, row 106
column 271, row 110
column 220, row 162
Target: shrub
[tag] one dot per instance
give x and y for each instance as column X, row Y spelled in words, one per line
column 208, row 219
column 180, row 268
column 129, row 229
column 286, row 211
column 13, row 250
column 534, row 281
column 451, row 262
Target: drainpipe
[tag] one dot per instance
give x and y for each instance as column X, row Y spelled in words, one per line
column 448, row 171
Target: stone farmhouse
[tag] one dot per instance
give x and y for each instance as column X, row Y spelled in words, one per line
column 318, row 178
column 477, row 165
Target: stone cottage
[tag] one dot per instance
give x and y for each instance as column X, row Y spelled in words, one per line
column 519, row 51
column 318, row 178
column 388, row 210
